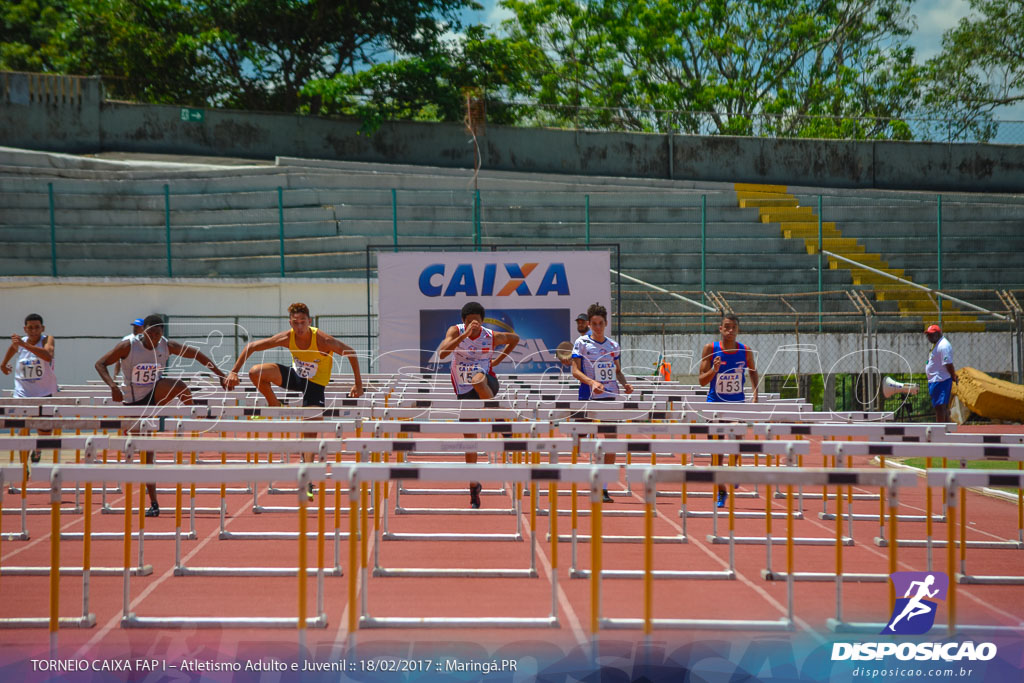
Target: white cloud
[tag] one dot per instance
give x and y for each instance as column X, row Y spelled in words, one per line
column 935, row 17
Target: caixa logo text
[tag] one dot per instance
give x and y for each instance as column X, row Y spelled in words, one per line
column 437, row 280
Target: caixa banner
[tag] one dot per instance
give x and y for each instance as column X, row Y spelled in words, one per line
column 536, row 294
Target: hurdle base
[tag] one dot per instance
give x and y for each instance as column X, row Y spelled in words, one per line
column 454, row 511
column 699, row 624
column 450, row 492
column 769, row 575
column 457, row 622
column 990, row 580
column 831, row 496
column 311, row 509
column 567, row 538
column 741, row 514
column 20, row 536
column 392, row 536
column 42, row 511
column 273, row 535
column 252, row 571
column 144, row 570
column 709, row 494
column 763, row 540
column 923, row 543
column 586, row 513
column 724, row 575
column 440, row 572
column 87, row 621
column 874, row 518
column 119, row 536
column 133, row 621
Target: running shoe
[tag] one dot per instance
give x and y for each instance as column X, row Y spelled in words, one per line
column 35, row 456
column 605, row 497
column 311, row 491
column 474, row 495
column 153, row 511
column 721, row 499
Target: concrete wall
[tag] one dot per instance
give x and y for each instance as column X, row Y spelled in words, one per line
column 86, row 123
column 88, row 315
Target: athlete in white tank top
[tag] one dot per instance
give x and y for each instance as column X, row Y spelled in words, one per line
column 33, row 365
column 472, row 348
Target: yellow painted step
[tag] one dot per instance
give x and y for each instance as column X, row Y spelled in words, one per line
column 844, row 246
column 773, row 202
column 757, row 187
column 797, row 213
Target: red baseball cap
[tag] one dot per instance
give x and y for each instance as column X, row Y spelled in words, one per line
column 933, row 328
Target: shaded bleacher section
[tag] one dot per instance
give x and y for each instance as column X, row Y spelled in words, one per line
column 110, row 219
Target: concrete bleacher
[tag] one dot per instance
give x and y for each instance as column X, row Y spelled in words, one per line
column 109, row 217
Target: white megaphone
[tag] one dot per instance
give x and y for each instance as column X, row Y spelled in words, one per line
column 891, row 386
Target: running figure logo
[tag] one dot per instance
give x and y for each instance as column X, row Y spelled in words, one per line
column 914, row 613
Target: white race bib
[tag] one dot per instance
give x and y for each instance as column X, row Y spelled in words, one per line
column 728, row 383
column 145, row 373
column 465, row 371
column 29, row 370
column 604, row 371
column 303, row 369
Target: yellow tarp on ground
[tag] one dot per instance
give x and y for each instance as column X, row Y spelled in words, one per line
column 990, row 397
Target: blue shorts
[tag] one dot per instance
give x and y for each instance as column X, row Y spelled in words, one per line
column 941, row 392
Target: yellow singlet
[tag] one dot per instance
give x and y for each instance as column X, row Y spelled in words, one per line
column 311, row 363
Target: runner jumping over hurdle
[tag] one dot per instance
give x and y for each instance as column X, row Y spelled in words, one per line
column 595, row 363
column 472, row 348
column 312, row 361
column 721, row 366
column 143, row 360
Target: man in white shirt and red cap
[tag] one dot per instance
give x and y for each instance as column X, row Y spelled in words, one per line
column 941, row 373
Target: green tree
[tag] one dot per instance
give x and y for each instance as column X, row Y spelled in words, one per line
column 30, row 34
column 980, row 68
column 785, row 67
column 254, row 54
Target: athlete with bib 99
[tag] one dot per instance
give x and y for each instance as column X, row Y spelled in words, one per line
column 722, row 365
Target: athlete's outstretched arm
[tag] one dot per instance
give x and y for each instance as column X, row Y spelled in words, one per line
column 326, row 341
column 186, row 351
column 4, row 367
column 452, row 339
column 754, row 376
column 45, row 352
column 279, row 339
column 708, row 370
column 510, row 340
column 118, row 353
column 626, row 386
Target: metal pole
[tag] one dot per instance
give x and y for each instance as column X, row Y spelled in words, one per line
column 586, row 199
column 820, row 257
column 369, row 354
column 703, row 251
column 167, row 227
column 280, row 223
column 394, row 217
column 938, row 249
column 53, row 234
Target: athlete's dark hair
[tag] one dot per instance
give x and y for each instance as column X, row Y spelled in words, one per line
column 153, row 320
column 597, row 309
column 33, row 316
column 472, row 308
column 298, row 308
column 730, row 316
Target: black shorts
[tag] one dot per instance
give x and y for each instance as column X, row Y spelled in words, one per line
column 492, row 382
column 146, row 400
column 312, row 393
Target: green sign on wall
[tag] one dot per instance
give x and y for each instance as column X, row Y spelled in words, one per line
column 193, row 115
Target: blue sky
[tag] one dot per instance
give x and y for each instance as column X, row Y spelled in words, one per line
column 934, row 17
